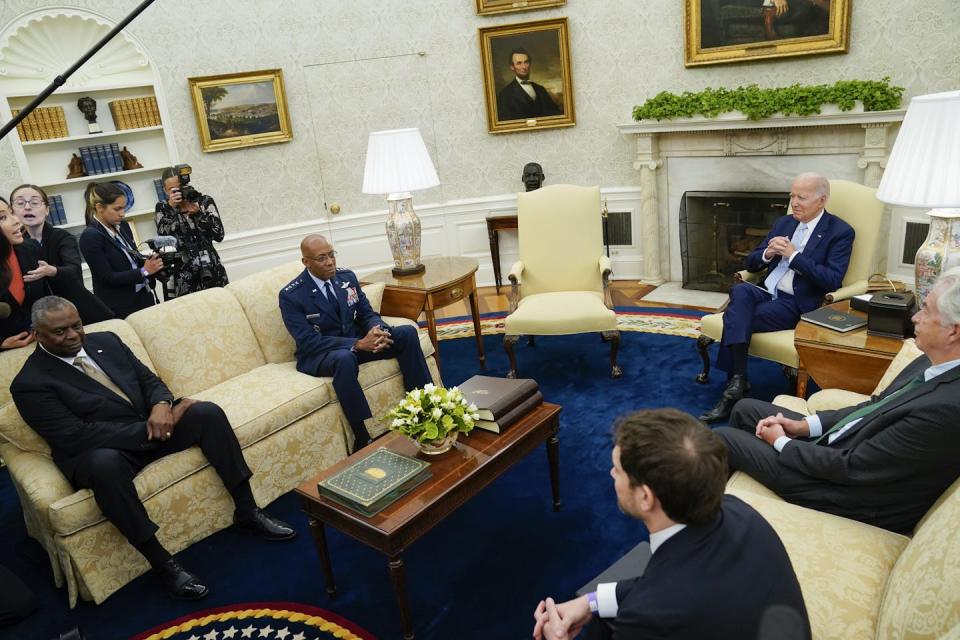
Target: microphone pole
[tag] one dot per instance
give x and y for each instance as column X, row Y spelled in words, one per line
column 61, row 79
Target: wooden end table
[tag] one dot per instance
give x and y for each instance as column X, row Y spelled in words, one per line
column 494, row 225
column 457, row 476
column 854, row 361
column 445, row 281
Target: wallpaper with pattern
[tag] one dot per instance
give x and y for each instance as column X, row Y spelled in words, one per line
column 352, row 67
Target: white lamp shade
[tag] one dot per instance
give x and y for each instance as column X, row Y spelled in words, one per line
column 398, row 161
column 924, row 166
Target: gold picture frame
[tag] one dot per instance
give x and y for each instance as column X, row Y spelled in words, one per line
column 721, row 31
column 254, row 113
column 541, row 49
column 493, row 7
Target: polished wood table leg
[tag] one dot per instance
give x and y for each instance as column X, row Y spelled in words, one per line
column 320, row 540
column 475, row 312
column 432, row 331
column 553, row 459
column 398, row 576
column 494, row 253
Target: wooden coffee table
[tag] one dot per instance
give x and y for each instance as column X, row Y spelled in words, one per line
column 854, row 361
column 457, row 476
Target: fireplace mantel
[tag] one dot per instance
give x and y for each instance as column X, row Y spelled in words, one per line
column 863, row 135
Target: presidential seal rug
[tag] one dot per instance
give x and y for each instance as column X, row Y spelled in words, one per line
column 268, row 620
column 672, row 322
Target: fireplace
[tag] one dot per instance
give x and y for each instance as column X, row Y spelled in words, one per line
column 718, row 229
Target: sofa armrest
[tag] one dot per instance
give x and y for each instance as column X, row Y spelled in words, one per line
column 513, row 296
column 847, row 292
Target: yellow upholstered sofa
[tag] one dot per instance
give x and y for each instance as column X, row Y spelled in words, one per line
column 860, row 581
column 228, row 346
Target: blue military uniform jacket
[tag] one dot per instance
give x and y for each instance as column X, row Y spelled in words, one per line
column 320, row 326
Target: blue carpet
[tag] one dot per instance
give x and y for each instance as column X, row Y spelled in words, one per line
column 482, row 571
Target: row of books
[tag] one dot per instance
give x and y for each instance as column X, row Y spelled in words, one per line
column 43, row 123
column 101, row 158
column 57, row 214
column 135, row 113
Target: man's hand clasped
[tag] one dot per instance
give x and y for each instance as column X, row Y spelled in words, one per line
column 773, row 427
column 780, row 246
column 376, row 340
column 164, row 418
column 561, row 621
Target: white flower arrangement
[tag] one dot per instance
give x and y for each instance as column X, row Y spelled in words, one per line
column 432, row 413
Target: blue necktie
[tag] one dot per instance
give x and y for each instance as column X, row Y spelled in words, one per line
column 775, row 276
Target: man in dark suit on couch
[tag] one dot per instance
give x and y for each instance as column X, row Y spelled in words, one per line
column 336, row 331
column 884, row 461
column 106, row 416
column 806, row 255
column 716, row 566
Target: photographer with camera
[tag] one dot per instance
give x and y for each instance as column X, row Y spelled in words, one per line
column 122, row 278
column 193, row 219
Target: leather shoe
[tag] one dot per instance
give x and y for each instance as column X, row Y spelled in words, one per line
column 262, row 525
column 720, row 411
column 179, row 582
column 737, row 387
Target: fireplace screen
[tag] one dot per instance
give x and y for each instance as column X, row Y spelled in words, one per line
column 718, row 229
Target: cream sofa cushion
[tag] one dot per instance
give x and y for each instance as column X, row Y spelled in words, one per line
column 907, row 354
column 561, row 313
column 198, row 341
column 10, row 365
column 842, row 565
column 923, row 593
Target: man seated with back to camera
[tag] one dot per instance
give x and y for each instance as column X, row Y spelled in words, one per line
column 884, row 461
column 106, row 416
column 336, row 331
column 716, row 569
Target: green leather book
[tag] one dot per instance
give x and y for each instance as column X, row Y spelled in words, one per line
column 372, row 483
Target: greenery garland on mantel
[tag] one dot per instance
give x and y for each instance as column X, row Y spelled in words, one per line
column 757, row 103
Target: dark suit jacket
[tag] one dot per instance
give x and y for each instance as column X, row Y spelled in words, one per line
column 19, row 319
column 712, row 581
column 889, row 468
column 74, row 413
column 114, row 280
column 513, row 103
column 820, row 268
column 328, row 326
column 59, row 248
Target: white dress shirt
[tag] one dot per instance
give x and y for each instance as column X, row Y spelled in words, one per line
column 786, row 282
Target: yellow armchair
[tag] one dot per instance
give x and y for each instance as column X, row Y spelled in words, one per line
column 859, row 207
column 560, row 285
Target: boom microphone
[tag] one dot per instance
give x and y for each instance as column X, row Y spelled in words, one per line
column 163, row 241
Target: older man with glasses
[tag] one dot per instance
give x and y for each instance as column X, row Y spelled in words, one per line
column 336, row 331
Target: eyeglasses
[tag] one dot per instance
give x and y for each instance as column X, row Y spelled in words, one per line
column 20, row 203
column 323, row 257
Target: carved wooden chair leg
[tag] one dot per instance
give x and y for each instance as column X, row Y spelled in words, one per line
column 508, row 342
column 613, row 337
column 703, row 342
column 793, row 378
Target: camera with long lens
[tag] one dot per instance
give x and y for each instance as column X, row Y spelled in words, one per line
column 186, row 190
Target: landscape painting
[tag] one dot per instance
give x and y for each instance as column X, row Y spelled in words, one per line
column 241, row 109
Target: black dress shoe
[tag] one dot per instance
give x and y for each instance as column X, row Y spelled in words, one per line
column 179, row 582
column 262, row 525
column 737, row 387
column 720, row 411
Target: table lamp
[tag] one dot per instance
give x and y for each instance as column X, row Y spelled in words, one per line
column 924, row 171
column 398, row 163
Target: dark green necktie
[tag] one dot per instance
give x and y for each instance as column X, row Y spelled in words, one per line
column 870, row 408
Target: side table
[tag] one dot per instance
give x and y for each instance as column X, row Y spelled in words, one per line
column 445, row 281
column 494, row 225
column 854, row 361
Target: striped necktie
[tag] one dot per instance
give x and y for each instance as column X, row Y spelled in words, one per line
column 870, row 408
column 81, row 363
column 775, row 276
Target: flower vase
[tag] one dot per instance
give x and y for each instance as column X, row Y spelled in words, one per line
column 438, row 446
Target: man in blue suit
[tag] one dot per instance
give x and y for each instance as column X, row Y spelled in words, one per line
column 716, row 566
column 336, row 331
column 806, row 256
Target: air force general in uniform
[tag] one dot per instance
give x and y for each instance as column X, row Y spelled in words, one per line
column 336, row 331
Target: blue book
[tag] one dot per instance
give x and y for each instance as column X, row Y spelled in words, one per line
column 115, row 156
column 87, row 158
column 55, row 204
column 95, row 158
column 101, row 151
column 161, row 195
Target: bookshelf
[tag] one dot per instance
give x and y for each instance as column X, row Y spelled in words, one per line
column 46, row 162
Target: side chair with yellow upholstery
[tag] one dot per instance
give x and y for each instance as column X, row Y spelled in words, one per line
column 560, row 285
column 858, row 206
